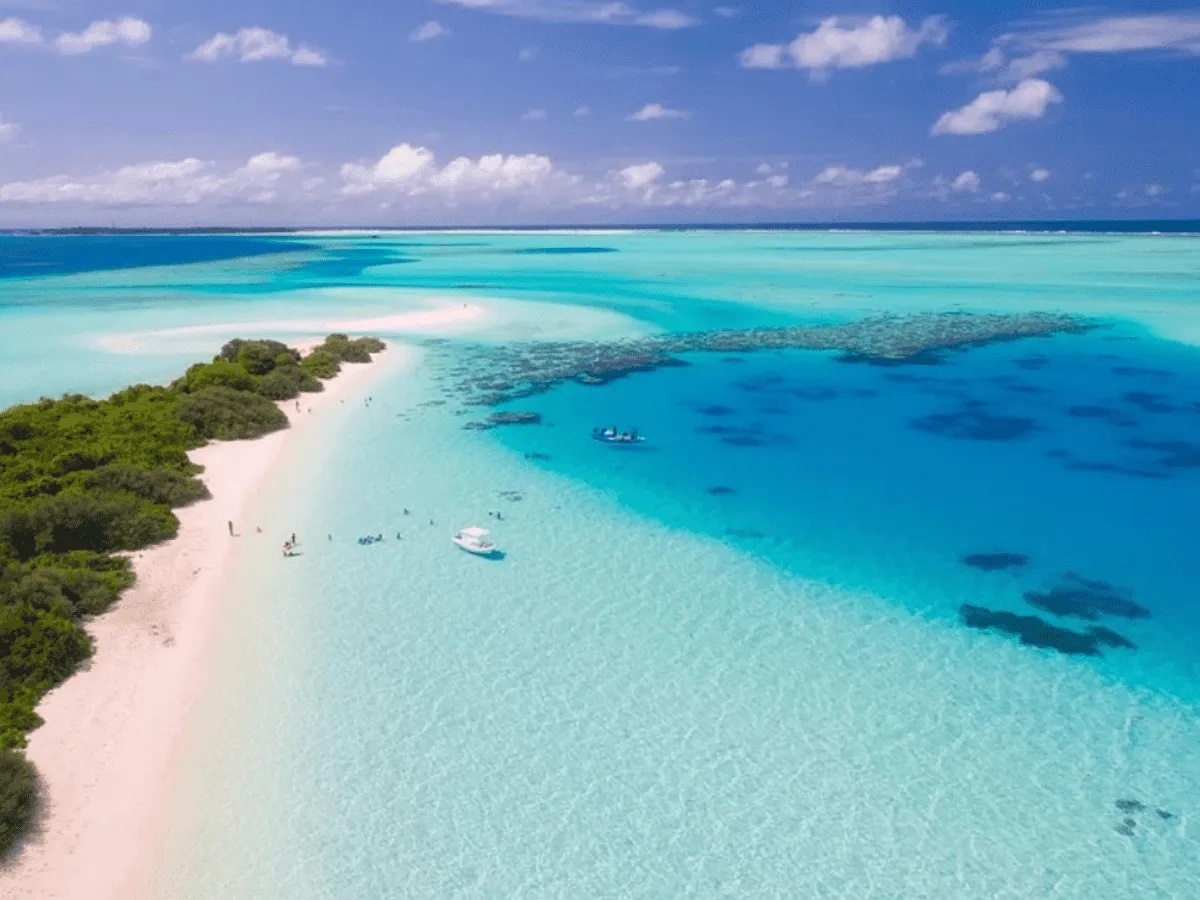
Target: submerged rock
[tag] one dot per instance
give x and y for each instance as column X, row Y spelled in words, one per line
column 1130, row 805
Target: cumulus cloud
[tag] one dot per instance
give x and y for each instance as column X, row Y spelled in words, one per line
column 534, row 115
column 1001, row 197
column 843, row 176
column 257, row 44
column 847, row 43
column 18, row 31
column 992, row 110
column 967, row 182
column 642, row 175
column 427, row 31
column 594, row 12
column 527, row 54
column 104, row 33
column 652, row 111
column 1039, row 175
column 581, row 111
column 182, row 182
column 411, row 171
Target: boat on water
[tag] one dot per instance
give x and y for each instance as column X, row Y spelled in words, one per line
column 613, row 436
column 475, row 540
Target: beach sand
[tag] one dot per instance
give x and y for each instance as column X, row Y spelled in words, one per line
column 105, row 753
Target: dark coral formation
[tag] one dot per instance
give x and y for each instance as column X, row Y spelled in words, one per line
column 995, row 562
column 720, row 490
column 1150, row 402
column 1087, row 599
column 515, row 417
column 1031, row 630
column 501, row 373
column 1172, row 454
column 1104, row 414
column 973, row 422
column 1110, row 638
column 1130, row 805
column 1140, row 372
column 716, row 410
column 1032, row 363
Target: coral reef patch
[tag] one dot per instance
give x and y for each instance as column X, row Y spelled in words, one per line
column 505, row 372
column 995, row 562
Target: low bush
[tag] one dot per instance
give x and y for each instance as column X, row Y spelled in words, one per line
column 18, row 796
column 158, row 485
column 321, row 364
column 223, row 414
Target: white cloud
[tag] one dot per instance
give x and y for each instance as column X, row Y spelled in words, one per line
column 180, row 183
column 581, row 111
column 534, row 115
column 411, row 171
column 997, row 64
column 8, row 130
column 992, row 110
column 595, row 12
column 1155, row 190
column 427, row 31
column 1120, row 34
column 1001, row 197
column 104, row 33
column 1039, row 175
column 847, row 43
column 652, row 111
column 18, row 31
column 727, row 12
column 256, row 45
column 527, row 54
column 641, row 176
column 843, row 176
column 966, row 182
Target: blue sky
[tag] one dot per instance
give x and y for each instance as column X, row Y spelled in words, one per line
column 577, row 111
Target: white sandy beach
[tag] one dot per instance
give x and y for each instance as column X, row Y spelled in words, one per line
column 112, row 732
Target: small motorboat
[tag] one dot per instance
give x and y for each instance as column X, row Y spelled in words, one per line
column 613, row 436
column 475, row 540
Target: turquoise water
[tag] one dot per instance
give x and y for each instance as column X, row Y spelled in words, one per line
column 665, row 690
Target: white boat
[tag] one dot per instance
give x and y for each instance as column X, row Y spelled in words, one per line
column 475, row 540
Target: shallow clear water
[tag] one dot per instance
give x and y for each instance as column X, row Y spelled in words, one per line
column 665, row 690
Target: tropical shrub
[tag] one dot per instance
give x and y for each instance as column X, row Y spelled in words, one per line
column 18, row 796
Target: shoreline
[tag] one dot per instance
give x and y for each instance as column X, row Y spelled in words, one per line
column 112, row 732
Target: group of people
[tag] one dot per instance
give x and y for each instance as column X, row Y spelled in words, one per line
column 289, row 546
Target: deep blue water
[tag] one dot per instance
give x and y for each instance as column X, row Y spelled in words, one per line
column 1080, row 453
column 23, row 255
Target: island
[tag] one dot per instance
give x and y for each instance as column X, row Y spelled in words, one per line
column 85, row 482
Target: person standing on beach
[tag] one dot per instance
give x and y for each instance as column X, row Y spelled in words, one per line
column 231, row 527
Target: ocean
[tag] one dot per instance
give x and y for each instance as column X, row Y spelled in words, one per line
column 742, row 658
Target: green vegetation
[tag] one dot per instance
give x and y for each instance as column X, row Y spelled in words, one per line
column 82, row 480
